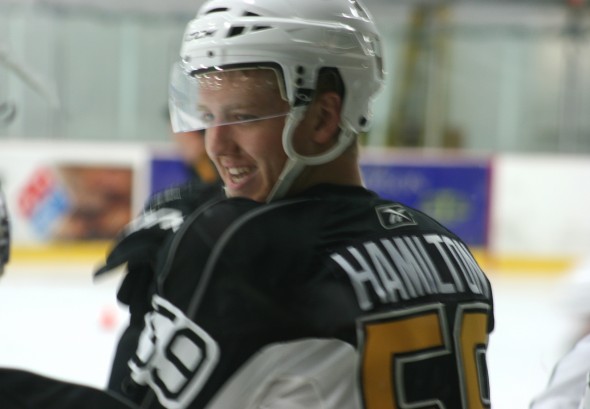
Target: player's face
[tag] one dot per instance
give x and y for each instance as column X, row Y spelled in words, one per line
column 247, row 150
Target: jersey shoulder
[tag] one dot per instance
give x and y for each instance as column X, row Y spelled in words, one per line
column 185, row 197
column 162, row 215
column 190, row 249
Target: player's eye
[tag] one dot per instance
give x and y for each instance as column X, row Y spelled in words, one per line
column 241, row 117
column 206, row 118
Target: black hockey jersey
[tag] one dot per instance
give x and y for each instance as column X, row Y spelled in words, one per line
column 139, row 247
column 334, row 299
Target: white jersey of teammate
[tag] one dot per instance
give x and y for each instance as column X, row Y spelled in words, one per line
column 585, row 404
column 568, row 383
column 569, row 380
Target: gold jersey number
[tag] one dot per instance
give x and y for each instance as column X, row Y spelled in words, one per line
column 393, row 341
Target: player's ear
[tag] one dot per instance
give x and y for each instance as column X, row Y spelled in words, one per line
column 327, row 108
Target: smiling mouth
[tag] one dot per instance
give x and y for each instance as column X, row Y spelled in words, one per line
column 238, row 174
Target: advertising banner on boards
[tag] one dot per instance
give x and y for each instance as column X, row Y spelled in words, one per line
column 454, row 190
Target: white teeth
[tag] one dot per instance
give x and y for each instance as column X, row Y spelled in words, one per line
column 238, row 174
column 237, row 171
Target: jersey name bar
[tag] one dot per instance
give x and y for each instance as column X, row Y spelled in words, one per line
column 400, row 268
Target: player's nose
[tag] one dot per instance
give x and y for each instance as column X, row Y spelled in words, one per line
column 220, row 140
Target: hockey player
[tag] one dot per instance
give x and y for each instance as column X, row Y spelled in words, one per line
column 568, row 385
column 302, row 289
column 568, row 382
column 4, row 232
column 25, row 390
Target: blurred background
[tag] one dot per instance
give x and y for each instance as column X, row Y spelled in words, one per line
column 484, row 124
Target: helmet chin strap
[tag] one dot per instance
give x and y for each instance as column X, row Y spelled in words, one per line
column 294, row 166
column 296, row 162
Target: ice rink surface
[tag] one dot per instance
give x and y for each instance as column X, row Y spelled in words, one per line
column 57, row 321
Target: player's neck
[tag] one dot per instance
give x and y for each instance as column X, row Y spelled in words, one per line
column 342, row 171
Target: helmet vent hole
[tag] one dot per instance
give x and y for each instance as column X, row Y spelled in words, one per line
column 210, row 53
column 362, row 121
column 250, row 14
column 235, row 31
column 217, row 10
column 260, row 28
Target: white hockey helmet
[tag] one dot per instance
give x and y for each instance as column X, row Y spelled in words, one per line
column 298, row 38
column 4, row 233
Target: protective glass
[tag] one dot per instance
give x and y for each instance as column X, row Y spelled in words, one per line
column 225, row 96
